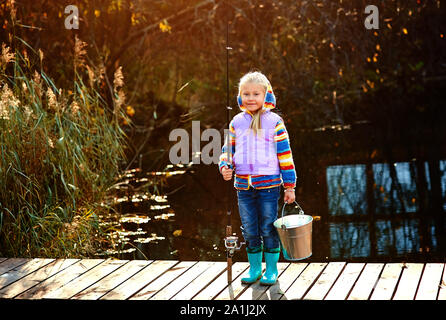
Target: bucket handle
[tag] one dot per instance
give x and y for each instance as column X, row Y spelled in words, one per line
column 283, row 208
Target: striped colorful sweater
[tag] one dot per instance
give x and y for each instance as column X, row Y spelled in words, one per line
column 287, row 175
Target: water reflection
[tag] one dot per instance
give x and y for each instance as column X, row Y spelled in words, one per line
column 346, row 189
column 397, row 237
column 375, row 210
column 349, row 239
column 395, row 196
column 147, row 226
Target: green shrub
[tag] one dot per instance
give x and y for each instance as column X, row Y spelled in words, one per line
column 59, row 153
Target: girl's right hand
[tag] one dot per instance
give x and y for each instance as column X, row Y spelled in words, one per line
column 227, row 173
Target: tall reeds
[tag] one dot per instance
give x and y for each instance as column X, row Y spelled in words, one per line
column 59, row 152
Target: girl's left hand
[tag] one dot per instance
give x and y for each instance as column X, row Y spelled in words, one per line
column 290, row 196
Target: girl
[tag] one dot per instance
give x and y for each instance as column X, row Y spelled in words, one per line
column 261, row 156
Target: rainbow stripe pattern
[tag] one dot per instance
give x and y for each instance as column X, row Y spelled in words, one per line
column 287, row 174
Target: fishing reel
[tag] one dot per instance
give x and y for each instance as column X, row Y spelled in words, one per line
column 232, row 244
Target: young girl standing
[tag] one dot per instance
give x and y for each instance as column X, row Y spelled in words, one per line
column 260, row 154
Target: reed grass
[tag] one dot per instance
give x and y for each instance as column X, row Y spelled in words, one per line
column 59, row 153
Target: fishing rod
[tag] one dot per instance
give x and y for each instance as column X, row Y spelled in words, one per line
column 231, row 240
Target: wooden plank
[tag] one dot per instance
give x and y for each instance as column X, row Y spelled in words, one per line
column 35, row 278
column 256, row 290
column 284, row 281
column 11, row 263
column 85, row 280
column 58, row 280
column 345, row 282
column 190, row 280
column 234, row 288
column 200, row 282
column 430, row 282
column 113, row 280
column 319, row 290
column 442, row 287
column 19, row 272
column 298, row 289
column 366, row 282
column 387, row 282
column 219, row 284
column 407, row 286
column 170, row 290
column 148, row 291
column 139, row 280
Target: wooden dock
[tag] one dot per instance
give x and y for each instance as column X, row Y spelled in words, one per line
column 107, row 279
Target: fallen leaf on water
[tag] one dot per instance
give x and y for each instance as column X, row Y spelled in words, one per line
column 177, row 233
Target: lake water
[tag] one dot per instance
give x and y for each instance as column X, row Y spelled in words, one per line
column 360, row 214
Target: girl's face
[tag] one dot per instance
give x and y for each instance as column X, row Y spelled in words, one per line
column 253, row 96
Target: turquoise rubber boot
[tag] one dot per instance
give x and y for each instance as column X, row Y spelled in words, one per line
column 271, row 258
column 255, row 265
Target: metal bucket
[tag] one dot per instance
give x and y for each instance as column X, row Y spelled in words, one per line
column 295, row 233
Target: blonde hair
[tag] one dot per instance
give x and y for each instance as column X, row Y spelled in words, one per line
column 257, row 78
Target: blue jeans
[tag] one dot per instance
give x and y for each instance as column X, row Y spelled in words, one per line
column 258, row 211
